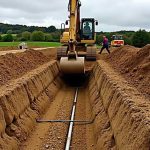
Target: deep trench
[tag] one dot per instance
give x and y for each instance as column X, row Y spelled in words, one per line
column 76, row 80
column 48, row 94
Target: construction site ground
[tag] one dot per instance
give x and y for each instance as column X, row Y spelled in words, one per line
column 114, row 96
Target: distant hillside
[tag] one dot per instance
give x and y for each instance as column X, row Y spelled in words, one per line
column 16, row 29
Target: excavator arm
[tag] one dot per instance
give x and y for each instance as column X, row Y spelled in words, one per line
column 74, row 9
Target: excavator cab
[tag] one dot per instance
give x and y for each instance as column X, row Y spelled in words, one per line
column 87, row 29
column 88, row 35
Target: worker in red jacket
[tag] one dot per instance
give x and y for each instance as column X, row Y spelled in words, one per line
column 105, row 45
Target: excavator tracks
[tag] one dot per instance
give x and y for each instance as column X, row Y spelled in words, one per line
column 91, row 54
column 61, row 52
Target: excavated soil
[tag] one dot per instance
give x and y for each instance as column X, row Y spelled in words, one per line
column 23, row 100
column 134, row 64
column 13, row 66
column 122, row 113
column 8, row 48
column 114, row 98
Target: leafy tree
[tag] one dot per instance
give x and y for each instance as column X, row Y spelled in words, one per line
column 26, row 35
column 16, row 29
column 7, row 38
column 22, row 39
column 99, row 39
column 9, row 32
column 14, row 38
column 0, row 37
column 127, row 40
column 19, row 35
column 31, row 29
column 48, row 37
column 141, row 38
column 51, row 29
column 129, row 34
column 56, row 36
column 149, row 34
column 37, row 36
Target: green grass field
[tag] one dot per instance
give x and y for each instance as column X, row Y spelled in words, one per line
column 32, row 44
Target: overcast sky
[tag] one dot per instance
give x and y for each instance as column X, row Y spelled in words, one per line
column 113, row 15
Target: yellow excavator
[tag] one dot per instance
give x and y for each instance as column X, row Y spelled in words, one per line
column 78, row 41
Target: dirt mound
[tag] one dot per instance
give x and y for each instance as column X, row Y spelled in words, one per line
column 8, row 48
column 134, row 64
column 121, row 54
column 122, row 119
column 13, row 66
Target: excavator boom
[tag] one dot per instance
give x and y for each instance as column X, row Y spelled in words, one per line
column 74, row 9
column 72, row 64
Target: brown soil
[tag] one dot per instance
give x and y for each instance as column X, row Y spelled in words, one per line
column 83, row 137
column 120, row 113
column 51, row 53
column 134, row 64
column 8, row 48
column 13, row 66
column 23, row 100
column 51, row 135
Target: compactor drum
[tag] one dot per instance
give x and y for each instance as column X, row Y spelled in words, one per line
column 78, row 41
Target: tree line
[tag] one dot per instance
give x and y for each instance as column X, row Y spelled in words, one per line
column 34, row 36
column 52, row 34
column 17, row 29
column 28, row 33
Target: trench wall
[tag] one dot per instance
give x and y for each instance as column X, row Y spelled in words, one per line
column 23, row 100
column 122, row 115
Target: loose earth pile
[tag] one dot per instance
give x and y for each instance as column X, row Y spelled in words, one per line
column 119, row 113
column 13, row 66
column 134, row 64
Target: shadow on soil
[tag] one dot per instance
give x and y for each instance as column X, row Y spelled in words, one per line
column 76, row 80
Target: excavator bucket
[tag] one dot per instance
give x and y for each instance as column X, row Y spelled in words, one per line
column 72, row 66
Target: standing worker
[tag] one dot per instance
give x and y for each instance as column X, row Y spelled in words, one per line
column 105, row 45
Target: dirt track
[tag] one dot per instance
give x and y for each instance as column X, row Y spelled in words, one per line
column 111, row 97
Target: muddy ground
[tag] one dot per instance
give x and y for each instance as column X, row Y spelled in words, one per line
column 115, row 98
